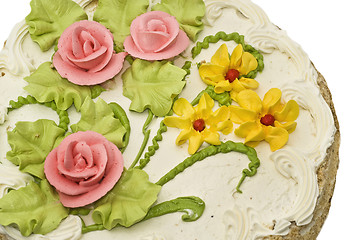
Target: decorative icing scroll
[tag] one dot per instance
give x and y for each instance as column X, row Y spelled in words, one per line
column 293, row 165
column 69, row 229
column 12, row 178
column 243, row 224
column 12, row 57
column 320, row 113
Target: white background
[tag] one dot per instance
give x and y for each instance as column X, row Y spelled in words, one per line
column 328, row 30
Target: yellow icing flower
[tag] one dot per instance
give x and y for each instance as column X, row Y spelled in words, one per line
column 199, row 124
column 268, row 120
column 225, row 72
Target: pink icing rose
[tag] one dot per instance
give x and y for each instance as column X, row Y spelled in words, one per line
column 155, row 36
column 85, row 54
column 83, row 168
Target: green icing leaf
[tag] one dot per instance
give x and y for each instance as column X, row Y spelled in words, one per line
column 49, row 18
column 152, row 85
column 117, row 15
column 189, row 14
column 128, row 202
column 34, row 209
column 46, row 85
column 99, row 117
column 31, row 142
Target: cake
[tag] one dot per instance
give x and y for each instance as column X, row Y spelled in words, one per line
column 203, row 129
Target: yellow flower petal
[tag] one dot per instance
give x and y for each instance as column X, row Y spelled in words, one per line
column 236, row 57
column 204, row 107
column 289, row 113
column 212, row 74
column 289, row 126
column 249, row 63
column 249, row 83
column 183, row 108
column 183, row 136
column 271, row 100
column 234, row 95
column 248, row 99
column 223, row 86
column 211, row 137
column 252, row 144
column 237, row 86
column 276, row 137
column 225, row 127
column 195, row 141
column 178, row 122
column 221, row 57
column 251, row 131
column 220, row 115
column 241, row 115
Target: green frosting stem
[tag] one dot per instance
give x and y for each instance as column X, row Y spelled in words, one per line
column 91, row 228
column 21, row 101
column 152, row 149
column 239, row 39
column 213, row 150
column 224, row 99
column 192, row 206
column 146, row 132
column 121, row 115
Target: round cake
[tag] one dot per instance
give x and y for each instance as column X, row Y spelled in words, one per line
column 172, row 119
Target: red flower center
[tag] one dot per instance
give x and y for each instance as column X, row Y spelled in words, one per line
column 232, row 75
column 199, row 125
column 268, row 120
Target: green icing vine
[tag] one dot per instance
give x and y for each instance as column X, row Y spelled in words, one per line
column 213, row 150
column 154, row 147
column 121, row 115
column 224, row 99
column 146, row 132
column 187, row 67
column 21, row 101
column 239, row 39
column 91, row 228
column 192, row 206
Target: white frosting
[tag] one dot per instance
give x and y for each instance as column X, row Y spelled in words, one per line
column 69, row 229
column 3, row 114
column 285, row 189
column 12, row 57
column 12, row 178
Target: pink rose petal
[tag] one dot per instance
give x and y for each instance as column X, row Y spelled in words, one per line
column 178, row 46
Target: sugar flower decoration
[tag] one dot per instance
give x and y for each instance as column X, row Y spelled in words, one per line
column 226, row 72
column 199, row 124
column 156, row 35
column 86, row 54
column 83, row 168
column 269, row 120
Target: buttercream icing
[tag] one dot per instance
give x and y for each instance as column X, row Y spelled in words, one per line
column 292, row 168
